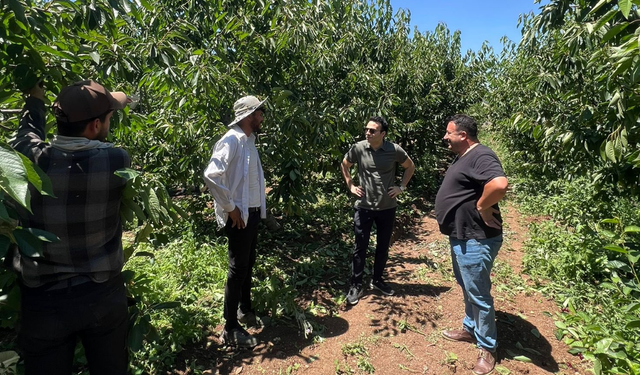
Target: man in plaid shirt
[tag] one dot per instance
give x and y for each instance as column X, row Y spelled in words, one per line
column 75, row 288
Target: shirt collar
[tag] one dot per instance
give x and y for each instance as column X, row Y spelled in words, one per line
column 386, row 146
column 240, row 134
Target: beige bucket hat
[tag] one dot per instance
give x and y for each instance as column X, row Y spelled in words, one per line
column 245, row 106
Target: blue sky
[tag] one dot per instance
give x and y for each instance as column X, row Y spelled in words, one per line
column 477, row 20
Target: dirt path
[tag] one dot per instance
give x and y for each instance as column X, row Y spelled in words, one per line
column 401, row 334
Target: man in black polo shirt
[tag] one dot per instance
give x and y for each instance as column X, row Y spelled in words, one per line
column 467, row 211
column 377, row 159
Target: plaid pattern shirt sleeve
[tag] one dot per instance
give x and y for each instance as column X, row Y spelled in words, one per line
column 85, row 214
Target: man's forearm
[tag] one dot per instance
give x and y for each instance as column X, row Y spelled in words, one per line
column 406, row 176
column 409, row 168
column 346, row 175
column 32, row 124
column 492, row 193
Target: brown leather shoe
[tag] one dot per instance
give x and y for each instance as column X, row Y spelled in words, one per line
column 486, row 362
column 458, row 335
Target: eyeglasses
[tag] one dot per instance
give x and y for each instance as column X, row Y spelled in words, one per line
column 370, row 130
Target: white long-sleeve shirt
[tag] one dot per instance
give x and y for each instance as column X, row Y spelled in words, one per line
column 227, row 176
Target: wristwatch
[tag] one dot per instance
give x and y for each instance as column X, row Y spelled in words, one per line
column 403, row 188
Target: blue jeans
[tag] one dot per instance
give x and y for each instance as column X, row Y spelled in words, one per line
column 472, row 262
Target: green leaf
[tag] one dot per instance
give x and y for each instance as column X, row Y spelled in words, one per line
column 43, row 235
column 37, row 177
column 520, row 358
column 603, row 345
column 126, row 6
column 95, row 56
column 128, row 275
column 135, row 208
column 610, row 221
column 633, row 307
column 632, row 229
column 610, row 151
column 535, row 332
column 597, row 367
column 18, row 10
column 127, row 173
column 28, row 244
column 575, row 351
column 5, row 243
column 625, row 7
column 25, row 75
column 143, row 234
column 617, row 264
column 13, row 177
column 614, row 31
column 165, row 305
column 559, row 334
column 153, row 205
column 633, row 256
column 4, row 215
column 135, row 337
column 615, row 248
column 145, row 254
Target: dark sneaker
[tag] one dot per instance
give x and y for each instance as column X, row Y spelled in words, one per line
column 248, row 318
column 382, row 286
column 238, row 337
column 355, row 292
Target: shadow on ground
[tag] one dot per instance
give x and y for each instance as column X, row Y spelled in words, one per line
column 518, row 337
column 278, row 341
column 397, row 315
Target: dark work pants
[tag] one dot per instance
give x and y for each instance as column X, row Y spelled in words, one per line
column 242, row 257
column 362, row 222
column 53, row 321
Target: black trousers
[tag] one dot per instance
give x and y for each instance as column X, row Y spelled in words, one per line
column 242, row 257
column 52, row 322
column 363, row 221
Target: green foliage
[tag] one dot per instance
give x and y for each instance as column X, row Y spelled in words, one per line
column 17, row 174
column 608, row 336
column 564, row 106
column 566, row 99
column 326, row 66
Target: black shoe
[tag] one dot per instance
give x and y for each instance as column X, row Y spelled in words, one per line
column 383, row 287
column 355, row 292
column 238, row 337
column 248, row 319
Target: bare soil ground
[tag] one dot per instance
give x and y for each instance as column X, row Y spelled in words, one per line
column 401, row 334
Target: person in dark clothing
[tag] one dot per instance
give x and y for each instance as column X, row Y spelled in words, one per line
column 75, row 288
column 376, row 202
column 467, row 211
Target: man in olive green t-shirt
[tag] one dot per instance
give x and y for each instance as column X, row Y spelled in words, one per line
column 377, row 159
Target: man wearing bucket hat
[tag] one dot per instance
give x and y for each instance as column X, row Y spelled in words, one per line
column 74, row 288
column 236, row 180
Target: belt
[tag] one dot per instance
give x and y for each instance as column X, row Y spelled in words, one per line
column 254, row 209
